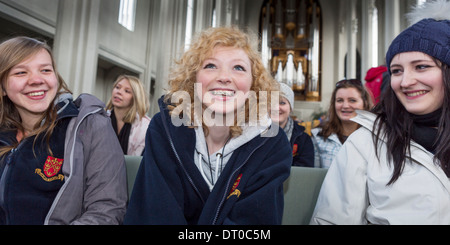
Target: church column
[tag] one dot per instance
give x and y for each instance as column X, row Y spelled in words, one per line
column 76, row 41
column 392, row 21
column 168, row 45
column 203, row 15
column 352, row 31
column 369, row 43
column 227, row 12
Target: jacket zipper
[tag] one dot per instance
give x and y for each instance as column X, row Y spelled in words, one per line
column 5, row 175
column 60, row 192
column 3, row 184
column 179, row 161
column 231, row 179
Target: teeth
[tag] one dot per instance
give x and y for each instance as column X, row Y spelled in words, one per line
column 416, row 93
column 223, row 92
column 36, row 94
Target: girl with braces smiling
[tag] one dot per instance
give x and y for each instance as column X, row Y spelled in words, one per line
column 208, row 172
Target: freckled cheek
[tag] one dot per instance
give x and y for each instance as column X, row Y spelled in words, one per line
column 245, row 85
column 199, row 85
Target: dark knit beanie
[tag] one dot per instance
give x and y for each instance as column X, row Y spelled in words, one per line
column 428, row 36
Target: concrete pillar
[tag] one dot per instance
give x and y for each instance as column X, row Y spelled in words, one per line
column 169, row 44
column 75, row 44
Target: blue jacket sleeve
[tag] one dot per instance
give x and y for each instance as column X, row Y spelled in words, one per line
column 304, row 156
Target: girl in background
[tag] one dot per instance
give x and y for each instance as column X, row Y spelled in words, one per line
column 348, row 96
column 128, row 107
column 302, row 146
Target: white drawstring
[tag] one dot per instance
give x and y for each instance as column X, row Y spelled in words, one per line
column 216, row 174
column 200, row 160
column 217, row 167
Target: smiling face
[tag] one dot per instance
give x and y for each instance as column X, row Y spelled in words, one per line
column 225, row 78
column 348, row 100
column 32, row 85
column 417, row 82
column 284, row 111
column 122, row 94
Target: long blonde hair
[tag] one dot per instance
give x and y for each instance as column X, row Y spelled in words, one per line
column 140, row 103
column 183, row 76
column 14, row 51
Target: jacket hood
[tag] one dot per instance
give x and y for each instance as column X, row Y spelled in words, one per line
column 365, row 119
column 374, row 72
column 88, row 103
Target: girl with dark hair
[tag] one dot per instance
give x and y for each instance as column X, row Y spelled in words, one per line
column 395, row 168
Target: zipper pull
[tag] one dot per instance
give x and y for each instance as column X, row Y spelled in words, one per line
column 9, row 158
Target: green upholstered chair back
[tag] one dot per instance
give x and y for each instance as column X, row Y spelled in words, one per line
column 301, row 190
column 132, row 163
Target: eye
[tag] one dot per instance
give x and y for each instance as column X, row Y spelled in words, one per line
column 396, row 71
column 18, row 73
column 239, row 68
column 209, row 66
column 422, row 67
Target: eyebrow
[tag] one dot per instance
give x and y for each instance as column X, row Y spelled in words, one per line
column 24, row 66
column 234, row 60
column 413, row 62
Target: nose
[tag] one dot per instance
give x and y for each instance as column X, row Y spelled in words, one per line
column 35, row 79
column 224, row 76
column 408, row 79
column 345, row 104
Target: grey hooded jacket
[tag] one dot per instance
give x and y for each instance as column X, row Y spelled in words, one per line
column 95, row 188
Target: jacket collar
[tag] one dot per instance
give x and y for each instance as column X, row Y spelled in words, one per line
column 184, row 145
column 418, row 153
column 66, row 109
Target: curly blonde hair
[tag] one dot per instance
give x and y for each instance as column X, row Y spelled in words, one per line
column 183, row 75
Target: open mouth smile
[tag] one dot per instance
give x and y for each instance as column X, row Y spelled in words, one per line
column 224, row 93
column 415, row 93
column 34, row 94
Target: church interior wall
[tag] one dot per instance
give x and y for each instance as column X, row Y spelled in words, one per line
column 108, row 49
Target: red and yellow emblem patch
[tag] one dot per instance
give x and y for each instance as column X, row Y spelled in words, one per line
column 294, row 150
column 51, row 167
column 234, row 191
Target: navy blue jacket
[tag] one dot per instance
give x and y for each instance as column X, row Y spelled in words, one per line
column 27, row 189
column 302, row 147
column 169, row 188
